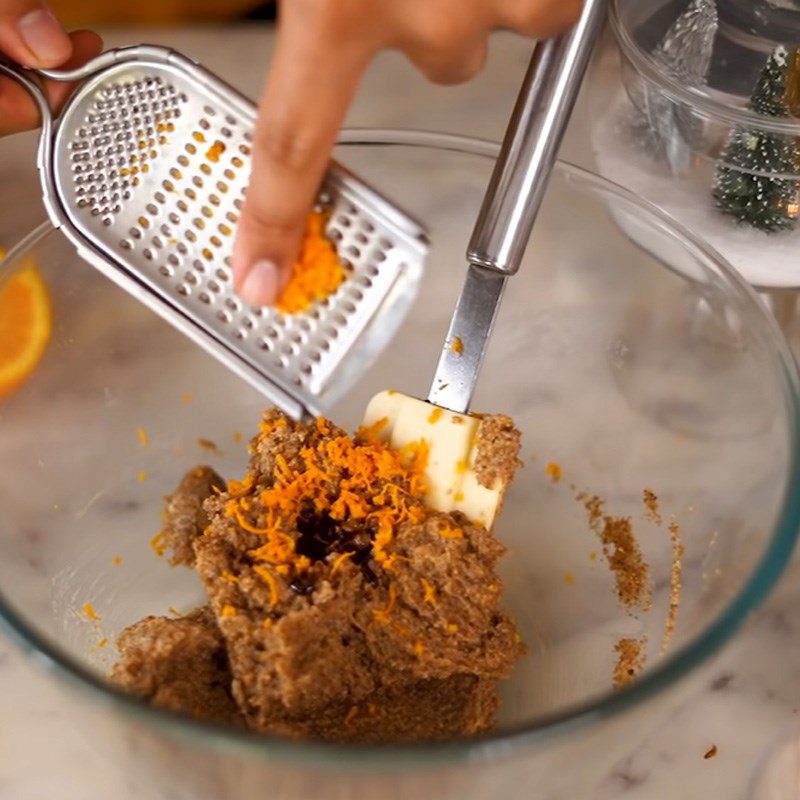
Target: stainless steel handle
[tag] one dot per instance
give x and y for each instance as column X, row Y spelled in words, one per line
column 531, row 143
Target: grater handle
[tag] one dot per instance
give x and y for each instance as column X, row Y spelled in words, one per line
column 25, row 78
column 531, row 143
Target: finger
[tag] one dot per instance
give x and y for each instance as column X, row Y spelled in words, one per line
column 85, row 46
column 17, row 110
column 448, row 68
column 31, row 35
column 538, row 18
column 313, row 77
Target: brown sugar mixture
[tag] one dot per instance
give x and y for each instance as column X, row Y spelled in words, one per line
column 340, row 606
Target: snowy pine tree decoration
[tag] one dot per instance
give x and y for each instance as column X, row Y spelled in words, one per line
column 753, row 180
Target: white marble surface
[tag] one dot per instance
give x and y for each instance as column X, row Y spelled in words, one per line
column 739, row 701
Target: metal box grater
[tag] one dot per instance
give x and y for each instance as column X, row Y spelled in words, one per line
column 145, row 171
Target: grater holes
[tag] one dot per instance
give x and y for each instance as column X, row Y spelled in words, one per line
column 335, row 235
column 190, row 193
column 165, row 271
column 157, row 242
column 182, row 206
column 361, row 239
column 306, row 369
column 206, row 212
column 214, row 287
column 148, row 253
column 191, row 278
column 183, row 161
column 271, row 332
column 136, row 233
column 213, row 199
column 248, row 137
column 224, row 316
column 190, row 235
column 244, row 149
column 231, row 217
column 237, row 204
column 166, row 230
column 190, row 148
column 233, row 304
column 173, row 218
column 182, row 248
column 222, row 275
column 205, row 169
column 353, row 251
column 216, row 241
column 126, row 244
column 343, row 221
column 197, row 181
column 173, row 260
column 152, row 209
column 199, row 265
column 265, row 344
column 205, row 125
column 372, row 271
column 183, row 290
column 210, row 111
column 222, row 187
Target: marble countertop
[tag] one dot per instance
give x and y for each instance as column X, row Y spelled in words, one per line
column 739, row 702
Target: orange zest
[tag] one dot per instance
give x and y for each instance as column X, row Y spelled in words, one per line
column 316, row 274
column 345, row 479
column 25, row 327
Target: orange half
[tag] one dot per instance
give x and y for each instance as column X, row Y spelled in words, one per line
column 25, row 327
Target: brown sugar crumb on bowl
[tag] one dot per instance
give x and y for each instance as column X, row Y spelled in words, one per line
column 675, row 585
column 651, row 505
column 630, row 661
column 622, row 551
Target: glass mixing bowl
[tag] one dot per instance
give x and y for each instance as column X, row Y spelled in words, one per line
column 670, row 135
column 593, row 358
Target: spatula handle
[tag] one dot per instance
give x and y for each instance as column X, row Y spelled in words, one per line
column 531, row 143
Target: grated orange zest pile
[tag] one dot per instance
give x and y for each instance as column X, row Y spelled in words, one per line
column 344, row 479
column 317, row 272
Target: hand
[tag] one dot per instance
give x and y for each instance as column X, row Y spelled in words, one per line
column 322, row 50
column 33, row 37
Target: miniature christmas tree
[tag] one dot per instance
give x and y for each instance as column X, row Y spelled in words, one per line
column 753, row 180
column 668, row 130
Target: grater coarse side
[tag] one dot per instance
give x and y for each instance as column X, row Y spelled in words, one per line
column 145, row 171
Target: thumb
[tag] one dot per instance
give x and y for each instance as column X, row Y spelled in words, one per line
column 31, row 34
column 311, row 83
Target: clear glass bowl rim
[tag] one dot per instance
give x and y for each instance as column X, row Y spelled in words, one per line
column 686, row 95
column 524, row 735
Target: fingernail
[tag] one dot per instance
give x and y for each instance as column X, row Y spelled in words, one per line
column 44, row 37
column 260, row 287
